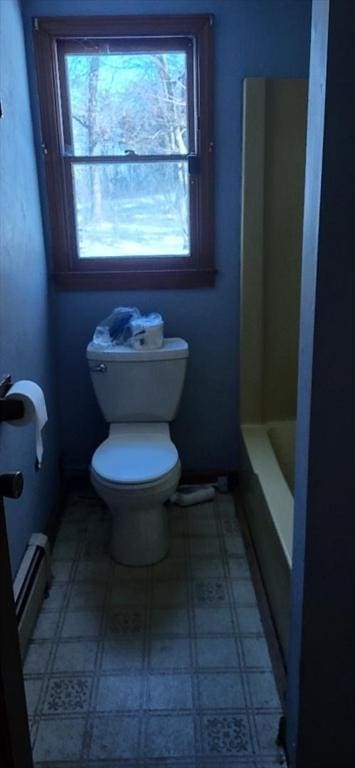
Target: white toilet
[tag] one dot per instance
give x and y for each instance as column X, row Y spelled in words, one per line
column 137, row 468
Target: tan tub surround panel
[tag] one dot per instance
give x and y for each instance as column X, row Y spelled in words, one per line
column 274, row 131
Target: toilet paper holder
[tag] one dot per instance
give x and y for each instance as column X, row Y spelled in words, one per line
column 13, row 409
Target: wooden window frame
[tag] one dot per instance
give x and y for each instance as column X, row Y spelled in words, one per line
column 51, row 34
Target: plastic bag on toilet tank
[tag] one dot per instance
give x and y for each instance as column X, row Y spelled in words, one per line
column 115, row 329
column 126, row 325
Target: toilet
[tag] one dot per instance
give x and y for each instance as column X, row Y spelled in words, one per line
column 137, row 468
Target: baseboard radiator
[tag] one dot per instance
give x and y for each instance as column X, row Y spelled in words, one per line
column 30, row 586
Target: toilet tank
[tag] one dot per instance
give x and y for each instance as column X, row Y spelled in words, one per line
column 138, row 385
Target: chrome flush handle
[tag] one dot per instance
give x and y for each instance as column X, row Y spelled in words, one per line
column 100, row 368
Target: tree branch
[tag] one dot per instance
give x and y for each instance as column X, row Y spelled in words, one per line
column 79, row 120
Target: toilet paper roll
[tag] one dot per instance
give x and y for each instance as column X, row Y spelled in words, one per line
column 35, row 410
column 147, row 332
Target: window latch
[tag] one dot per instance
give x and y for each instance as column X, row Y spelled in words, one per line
column 193, row 165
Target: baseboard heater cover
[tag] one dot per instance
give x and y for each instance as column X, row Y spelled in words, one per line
column 31, row 583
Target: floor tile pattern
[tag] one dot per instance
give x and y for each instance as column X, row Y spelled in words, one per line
column 159, row 666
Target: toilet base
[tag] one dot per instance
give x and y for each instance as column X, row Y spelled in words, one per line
column 141, row 538
column 139, row 517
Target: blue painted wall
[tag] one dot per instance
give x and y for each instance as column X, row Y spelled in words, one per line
column 26, row 338
column 259, row 38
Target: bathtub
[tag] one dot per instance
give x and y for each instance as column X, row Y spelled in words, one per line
column 267, row 480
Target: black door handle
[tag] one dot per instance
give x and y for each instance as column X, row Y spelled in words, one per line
column 11, row 485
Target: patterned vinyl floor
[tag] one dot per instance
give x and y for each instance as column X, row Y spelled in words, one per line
column 148, row 667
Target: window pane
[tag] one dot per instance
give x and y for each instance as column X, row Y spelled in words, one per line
column 128, row 102
column 133, row 209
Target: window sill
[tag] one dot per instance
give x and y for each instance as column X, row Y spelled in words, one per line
column 113, row 281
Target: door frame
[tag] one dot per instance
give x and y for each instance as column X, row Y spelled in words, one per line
column 15, row 742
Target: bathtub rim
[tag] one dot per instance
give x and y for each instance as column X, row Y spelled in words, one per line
column 277, row 494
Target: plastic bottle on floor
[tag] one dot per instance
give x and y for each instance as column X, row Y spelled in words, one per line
column 187, row 495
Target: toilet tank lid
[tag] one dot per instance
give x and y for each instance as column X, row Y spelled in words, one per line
column 171, row 349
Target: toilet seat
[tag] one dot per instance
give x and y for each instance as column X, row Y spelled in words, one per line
column 134, row 454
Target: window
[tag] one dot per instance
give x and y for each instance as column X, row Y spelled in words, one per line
column 126, row 111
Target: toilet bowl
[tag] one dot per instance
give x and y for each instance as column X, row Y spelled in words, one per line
column 137, row 468
column 135, row 471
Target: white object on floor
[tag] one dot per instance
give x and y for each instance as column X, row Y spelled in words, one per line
column 187, row 495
